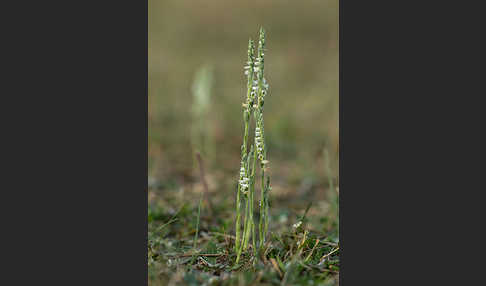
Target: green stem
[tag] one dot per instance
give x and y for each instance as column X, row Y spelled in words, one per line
column 197, row 223
column 252, row 221
column 252, row 187
column 262, row 210
column 243, row 243
column 238, row 202
column 267, row 188
column 238, row 218
column 245, row 229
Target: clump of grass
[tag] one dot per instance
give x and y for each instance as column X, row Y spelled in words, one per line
column 187, row 247
column 257, row 89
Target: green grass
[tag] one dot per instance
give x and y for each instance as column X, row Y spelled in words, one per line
column 173, row 258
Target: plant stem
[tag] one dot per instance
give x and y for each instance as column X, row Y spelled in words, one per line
column 197, row 222
column 251, row 219
column 247, row 224
column 262, row 211
column 238, row 218
column 246, row 118
column 267, row 188
column 245, row 236
column 256, row 91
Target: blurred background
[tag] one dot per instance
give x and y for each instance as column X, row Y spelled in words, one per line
column 197, row 51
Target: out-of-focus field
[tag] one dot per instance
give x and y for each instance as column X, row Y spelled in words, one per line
column 301, row 110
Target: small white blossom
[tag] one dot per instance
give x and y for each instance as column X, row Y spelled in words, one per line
column 244, row 183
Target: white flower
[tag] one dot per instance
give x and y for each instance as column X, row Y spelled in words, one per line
column 297, row 224
column 244, row 183
column 242, row 172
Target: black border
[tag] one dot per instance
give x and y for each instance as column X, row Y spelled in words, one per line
column 78, row 143
column 404, row 78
